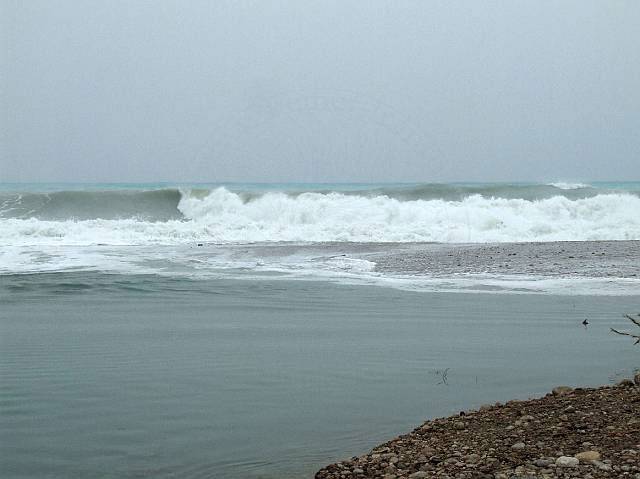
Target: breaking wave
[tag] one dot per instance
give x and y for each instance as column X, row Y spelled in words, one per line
column 162, row 204
column 385, row 214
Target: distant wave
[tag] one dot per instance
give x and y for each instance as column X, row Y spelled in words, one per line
column 171, row 216
column 453, row 192
column 568, row 186
column 152, row 205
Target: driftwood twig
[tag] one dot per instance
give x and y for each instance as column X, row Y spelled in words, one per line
column 624, row 333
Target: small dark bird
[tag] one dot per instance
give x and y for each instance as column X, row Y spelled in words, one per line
column 585, row 322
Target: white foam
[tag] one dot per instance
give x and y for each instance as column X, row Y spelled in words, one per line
column 223, row 217
column 228, row 262
column 568, row 186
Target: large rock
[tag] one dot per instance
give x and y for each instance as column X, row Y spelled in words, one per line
column 588, row 456
column 567, row 461
column 636, row 378
column 603, row 466
column 560, row 390
column 626, row 383
column 472, row 458
column 428, row 451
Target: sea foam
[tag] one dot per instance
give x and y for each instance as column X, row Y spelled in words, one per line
column 563, row 185
column 223, row 216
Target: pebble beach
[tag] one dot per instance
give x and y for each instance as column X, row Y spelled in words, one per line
column 581, row 433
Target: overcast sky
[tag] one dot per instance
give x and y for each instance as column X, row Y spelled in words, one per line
column 299, row 90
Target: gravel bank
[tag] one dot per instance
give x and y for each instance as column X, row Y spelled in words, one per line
column 581, row 433
column 591, row 259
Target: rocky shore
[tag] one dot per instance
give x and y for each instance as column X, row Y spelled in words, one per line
column 569, row 433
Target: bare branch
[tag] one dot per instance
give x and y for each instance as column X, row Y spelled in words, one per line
column 622, row 333
column 631, row 335
column 633, row 320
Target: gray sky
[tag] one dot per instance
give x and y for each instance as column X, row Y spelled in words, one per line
column 319, row 91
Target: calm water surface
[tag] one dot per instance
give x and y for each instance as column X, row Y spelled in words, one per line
column 108, row 375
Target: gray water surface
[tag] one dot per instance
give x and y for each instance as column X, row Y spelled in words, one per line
column 106, row 376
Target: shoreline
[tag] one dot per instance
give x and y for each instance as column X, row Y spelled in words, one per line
column 581, row 432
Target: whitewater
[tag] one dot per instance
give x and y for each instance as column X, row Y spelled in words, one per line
column 400, row 236
column 430, row 213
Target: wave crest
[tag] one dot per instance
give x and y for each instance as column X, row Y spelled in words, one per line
column 568, row 186
column 223, row 216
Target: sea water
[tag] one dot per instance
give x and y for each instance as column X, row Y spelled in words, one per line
column 265, row 330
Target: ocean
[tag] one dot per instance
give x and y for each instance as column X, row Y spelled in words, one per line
column 263, row 331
